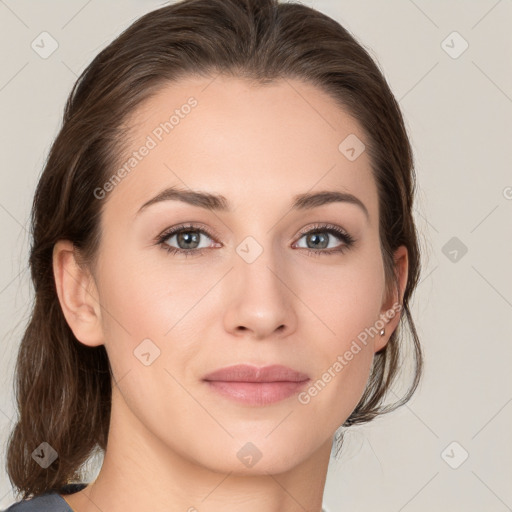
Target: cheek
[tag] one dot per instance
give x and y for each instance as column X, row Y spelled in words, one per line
column 346, row 299
column 149, row 316
column 341, row 377
column 348, row 303
column 146, row 296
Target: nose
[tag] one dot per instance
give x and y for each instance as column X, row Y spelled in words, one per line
column 259, row 299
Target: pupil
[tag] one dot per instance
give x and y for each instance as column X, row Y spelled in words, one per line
column 323, row 244
column 188, row 237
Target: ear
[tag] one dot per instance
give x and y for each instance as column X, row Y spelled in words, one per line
column 392, row 306
column 78, row 295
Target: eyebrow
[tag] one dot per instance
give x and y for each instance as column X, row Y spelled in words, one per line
column 218, row 202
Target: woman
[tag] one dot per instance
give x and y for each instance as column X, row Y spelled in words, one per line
column 260, row 147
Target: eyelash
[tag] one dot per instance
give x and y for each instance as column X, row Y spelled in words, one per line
column 317, row 228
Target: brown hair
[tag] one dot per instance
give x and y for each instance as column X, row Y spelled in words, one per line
column 63, row 388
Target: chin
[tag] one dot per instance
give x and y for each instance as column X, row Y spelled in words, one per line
column 258, row 456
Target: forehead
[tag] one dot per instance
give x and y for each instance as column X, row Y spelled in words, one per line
column 253, row 144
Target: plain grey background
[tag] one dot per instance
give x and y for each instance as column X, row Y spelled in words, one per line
column 449, row 65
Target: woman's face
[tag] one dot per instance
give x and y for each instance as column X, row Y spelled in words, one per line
column 249, row 286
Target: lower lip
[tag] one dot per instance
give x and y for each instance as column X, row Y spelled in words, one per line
column 257, row 393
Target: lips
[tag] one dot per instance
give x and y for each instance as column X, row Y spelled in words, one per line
column 255, row 386
column 247, row 373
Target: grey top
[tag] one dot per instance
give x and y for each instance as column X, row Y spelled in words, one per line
column 49, row 502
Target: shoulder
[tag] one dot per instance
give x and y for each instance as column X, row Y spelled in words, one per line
column 45, row 503
column 48, row 502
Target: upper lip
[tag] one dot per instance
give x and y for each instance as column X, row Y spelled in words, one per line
column 249, row 373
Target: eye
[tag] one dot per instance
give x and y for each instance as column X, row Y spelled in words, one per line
column 320, row 236
column 187, row 238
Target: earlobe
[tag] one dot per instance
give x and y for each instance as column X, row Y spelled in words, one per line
column 392, row 308
column 77, row 295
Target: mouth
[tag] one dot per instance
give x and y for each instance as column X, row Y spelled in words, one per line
column 256, row 386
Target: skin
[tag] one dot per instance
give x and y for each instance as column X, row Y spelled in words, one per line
column 173, row 442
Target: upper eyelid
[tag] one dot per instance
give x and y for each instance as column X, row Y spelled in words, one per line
column 187, row 226
column 318, row 226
